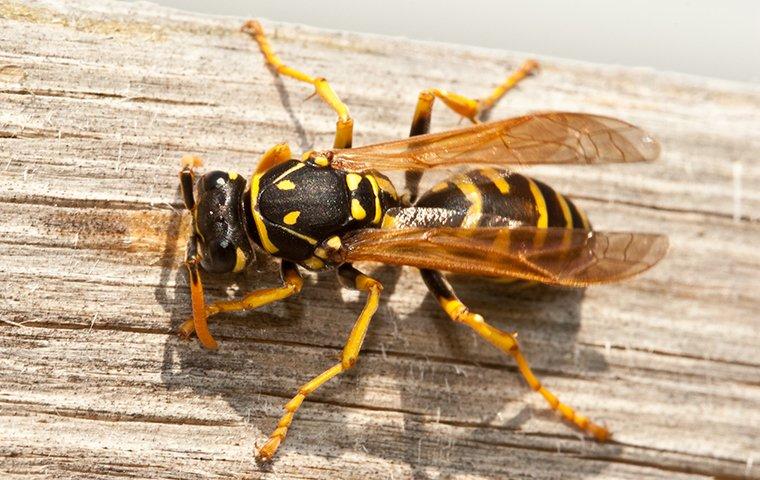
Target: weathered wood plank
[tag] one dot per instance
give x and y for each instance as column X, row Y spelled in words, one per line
column 100, row 100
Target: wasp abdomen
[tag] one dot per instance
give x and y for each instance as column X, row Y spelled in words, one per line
column 479, row 196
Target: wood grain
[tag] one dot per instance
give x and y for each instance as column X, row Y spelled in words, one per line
column 99, row 101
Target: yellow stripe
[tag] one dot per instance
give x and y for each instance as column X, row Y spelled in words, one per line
column 376, row 191
column 565, row 210
column 473, row 195
column 288, row 172
column 260, row 227
column 543, row 213
column 567, row 236
column 497, row 179
column 240, row 260
column 312, row 241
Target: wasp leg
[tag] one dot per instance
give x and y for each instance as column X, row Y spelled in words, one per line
column 506, row 342
column 471, row 109
column 192, row 259
column 291, row 285
column 351, row 278
column 275, row 155
column 485, row 104
column 345, row 125
column 187, row 179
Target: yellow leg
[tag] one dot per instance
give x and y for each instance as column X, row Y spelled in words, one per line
column 275, row 155
column 469, row 108
column 354, row 279
column 291, row 284
column 192, row 259
column 528, row 67
column 507, row 343
column 345, row 126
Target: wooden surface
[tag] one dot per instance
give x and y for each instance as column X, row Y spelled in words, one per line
column 100, row 100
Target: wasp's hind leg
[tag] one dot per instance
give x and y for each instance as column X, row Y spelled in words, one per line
column 507, row 343
column 345, row 126
column 351, row 278
column 292, row 282
column 471, row 109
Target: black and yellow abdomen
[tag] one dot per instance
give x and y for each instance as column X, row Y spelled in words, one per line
column 480, row 196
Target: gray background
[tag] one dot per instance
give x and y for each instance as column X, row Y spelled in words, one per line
column 714, row 38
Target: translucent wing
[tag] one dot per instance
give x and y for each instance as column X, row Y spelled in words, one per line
column 541, row 138
column 555, row 256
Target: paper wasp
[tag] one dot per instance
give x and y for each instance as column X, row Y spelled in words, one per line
column 332, row 208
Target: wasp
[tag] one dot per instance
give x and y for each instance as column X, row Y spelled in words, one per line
column 331, row 208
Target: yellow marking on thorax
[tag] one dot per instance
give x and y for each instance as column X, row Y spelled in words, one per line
column 500, row 182
column 257, row 220
column 291, row 218
column 376, row 192
column 310, row 240
column 288, row 172
column 232, row 175
column 353, row 180
column 322, row 161
column 240, row 260
column 474, row 196
column 286, row 185
column 357, row 211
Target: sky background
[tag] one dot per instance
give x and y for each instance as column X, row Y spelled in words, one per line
column 714, row 38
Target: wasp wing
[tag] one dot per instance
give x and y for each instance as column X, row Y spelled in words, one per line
column 540, row 138
column 557, row 256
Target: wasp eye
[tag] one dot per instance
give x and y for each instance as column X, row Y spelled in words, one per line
column 220, row 257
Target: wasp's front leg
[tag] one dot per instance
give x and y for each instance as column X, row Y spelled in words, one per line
column 292, row 282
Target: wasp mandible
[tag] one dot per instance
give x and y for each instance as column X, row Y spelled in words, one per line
column 332, row 208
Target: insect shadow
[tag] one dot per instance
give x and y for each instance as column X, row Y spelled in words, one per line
column 258, row 368
column 547, row 320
